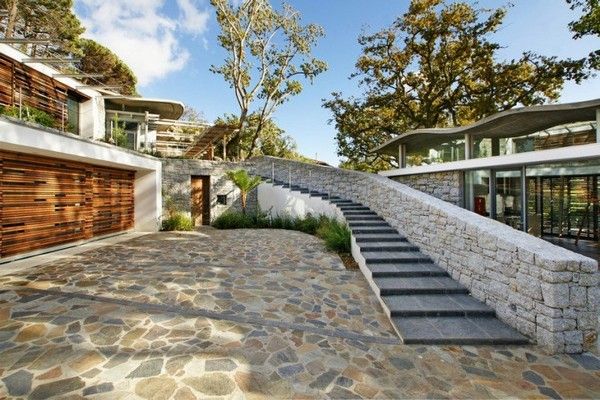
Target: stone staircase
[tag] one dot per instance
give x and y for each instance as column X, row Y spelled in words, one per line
column 425, row 305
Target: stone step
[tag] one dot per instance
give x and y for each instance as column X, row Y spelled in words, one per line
column 405, row 270
column 436, row 305
column 378, row 237
column 367, row 223
column 373, row 229
column 361, row 218
column 387, row 257
column 419, row 285
column 337, row 200
column 353, row 208
column 457, row 330
column 373, row 247
column 349, row 213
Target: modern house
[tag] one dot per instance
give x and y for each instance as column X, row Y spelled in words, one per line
column 535, row 169
column 72, row 162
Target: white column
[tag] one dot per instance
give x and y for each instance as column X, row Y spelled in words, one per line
column 468, row 146
column 402, row 156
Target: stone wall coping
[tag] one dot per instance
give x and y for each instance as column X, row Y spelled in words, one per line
column 541, row 249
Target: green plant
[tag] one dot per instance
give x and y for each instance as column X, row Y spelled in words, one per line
column 118, row 136
column 237, row 220
column 336, row 235
column 29, row 114
column 177, row 222
column 244, row 182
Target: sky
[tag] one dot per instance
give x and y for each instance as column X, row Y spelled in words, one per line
column 171, row 44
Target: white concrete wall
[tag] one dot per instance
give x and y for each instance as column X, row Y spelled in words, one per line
column 279, row 201
column 20, row 137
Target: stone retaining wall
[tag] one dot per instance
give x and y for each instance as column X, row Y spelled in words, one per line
column 447, row 186
column 546, row 292
column 177, row 174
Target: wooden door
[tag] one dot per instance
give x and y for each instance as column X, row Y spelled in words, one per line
column 201, row 200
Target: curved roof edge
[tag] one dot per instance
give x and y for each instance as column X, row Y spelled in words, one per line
column 167, row 109
column 513, row 122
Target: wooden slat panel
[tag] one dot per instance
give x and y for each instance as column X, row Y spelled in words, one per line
column 46, row 202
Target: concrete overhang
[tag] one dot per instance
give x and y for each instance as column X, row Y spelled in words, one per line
column 509, row 123
column 167, row 109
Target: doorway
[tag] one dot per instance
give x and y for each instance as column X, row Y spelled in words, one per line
column 201, row 200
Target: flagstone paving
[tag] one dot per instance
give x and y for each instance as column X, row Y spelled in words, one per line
column 239, row 314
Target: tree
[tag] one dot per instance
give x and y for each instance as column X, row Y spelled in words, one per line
column 267, row 52
column 99, row 59
column 245, row 183
column 436, row 66
column 272, row 142
column 43, row 19
column 587, row 25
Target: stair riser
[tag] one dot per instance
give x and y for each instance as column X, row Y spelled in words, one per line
column 367, row 230
column 389, row 248
column 393, row 292
column 407, row 260
column 382, row 239
column 364, row 218
column 368, row 224
column 359, row 214
column 411, row 274
column 442, row 313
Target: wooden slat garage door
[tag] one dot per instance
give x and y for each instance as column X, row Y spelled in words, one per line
column 46, row 202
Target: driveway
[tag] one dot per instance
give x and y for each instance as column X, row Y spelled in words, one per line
column 243, row 313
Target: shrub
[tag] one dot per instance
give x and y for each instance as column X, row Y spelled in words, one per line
column 310, row 224
column 336, row 235
column 30, row 114
column 177, row 222
column 237, row 220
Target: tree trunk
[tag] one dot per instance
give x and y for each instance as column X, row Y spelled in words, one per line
column 243, row 197
column 12, row 19
column 255, row 137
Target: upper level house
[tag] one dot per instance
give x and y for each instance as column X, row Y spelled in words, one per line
column 533, row 168
column 152, row 126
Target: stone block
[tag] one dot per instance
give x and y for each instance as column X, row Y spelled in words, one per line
column 587, row 320
column 555, row 295
column 578, row 296
column 556, row 324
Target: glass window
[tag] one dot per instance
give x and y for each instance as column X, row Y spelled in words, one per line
column 442, row 153
column 477, row 192
column 72, row 116
column 509, row 197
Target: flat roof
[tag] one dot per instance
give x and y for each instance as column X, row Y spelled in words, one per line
column 514, row 122
column 167, row 109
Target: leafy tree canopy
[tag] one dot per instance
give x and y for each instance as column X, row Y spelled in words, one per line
column 55, row 21
column 99, row 59
column 272, row 142
column 268, row 51
column 436, row 66
column 587, row 25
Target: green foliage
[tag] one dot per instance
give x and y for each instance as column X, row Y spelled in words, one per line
column 43, row 19
column 99, row 59
column 118, row 136
column 272, row 141
column 336, row 235
column 244, row 182
column 268, row 50
column 587, row 25
column 177, row 222
column 29, row 114
column 437, row 66
column 237, row 220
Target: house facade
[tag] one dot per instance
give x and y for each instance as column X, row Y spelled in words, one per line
column 78, row 162
column 535, row 169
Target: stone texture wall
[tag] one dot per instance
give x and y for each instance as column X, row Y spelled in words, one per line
column 544, row 291
column 447, row 186
column 177, row 175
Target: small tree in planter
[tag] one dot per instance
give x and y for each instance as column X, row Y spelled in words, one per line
column 244, row 182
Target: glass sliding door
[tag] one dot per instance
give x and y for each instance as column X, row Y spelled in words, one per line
column 509, row 198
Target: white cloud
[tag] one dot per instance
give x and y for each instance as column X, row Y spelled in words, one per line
column 193, row 20
column 141, row 34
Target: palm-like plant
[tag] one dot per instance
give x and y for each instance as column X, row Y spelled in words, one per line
column 244, row 182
